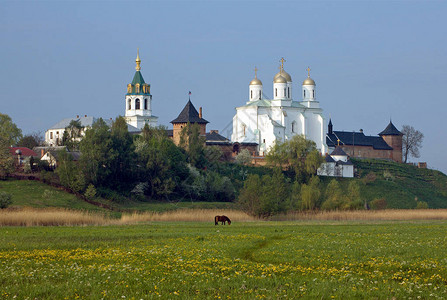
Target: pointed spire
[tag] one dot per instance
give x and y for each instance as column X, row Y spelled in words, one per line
column 308, row 72
column 138, row 60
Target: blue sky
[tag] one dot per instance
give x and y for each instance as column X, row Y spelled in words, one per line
column 371, row 60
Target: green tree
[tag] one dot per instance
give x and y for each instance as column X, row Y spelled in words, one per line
column 162, row 163
column 194, row 145
column 250, row 195
column 96, row 155
column 353, row 200
column 122, row 155
column 299, row 155
column 243, row 157
column 68, row 172
column 6, row 160
column 266, row 196
column 31, row 140
column 310, row 194
column 9, row 131
column 334, row 196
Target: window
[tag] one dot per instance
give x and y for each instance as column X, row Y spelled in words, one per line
column 259, row 95
column 284, row 92
column 251, row 94
column 137, row 103
column 276, row 92
column 293, row 126
column 145, row 103
column 288, row 92
column 129, row 105
column 243, row 128
column 313, row 93
column 51, row 135
column 304, row 93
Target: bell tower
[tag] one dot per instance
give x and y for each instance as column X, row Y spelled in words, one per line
column 138, row 103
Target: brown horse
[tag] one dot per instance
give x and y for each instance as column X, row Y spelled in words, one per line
column 222, row 219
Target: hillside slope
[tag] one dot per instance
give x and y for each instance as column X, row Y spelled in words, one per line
column 401, row 185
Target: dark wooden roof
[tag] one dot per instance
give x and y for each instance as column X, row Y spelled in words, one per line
column 189, row 114
column 356, row 139
column 390, row 130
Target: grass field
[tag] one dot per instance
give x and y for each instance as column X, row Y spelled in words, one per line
column 311, row 259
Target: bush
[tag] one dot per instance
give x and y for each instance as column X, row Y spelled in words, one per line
column 422, row 205
column 90, row 193
column 378, row 203
column 5, row 200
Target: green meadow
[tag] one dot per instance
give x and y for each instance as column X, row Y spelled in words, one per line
column 324, row 260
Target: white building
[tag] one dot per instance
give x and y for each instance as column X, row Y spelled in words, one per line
column 138, row 101
column 337, row 164
column 138, row 111
column 267, row 122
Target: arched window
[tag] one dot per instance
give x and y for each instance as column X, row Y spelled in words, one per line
column 288, row 92
column 276, row 92
column 304, row 93
column 251, row 94
column 137, row 103
column 313, row 93
column 293, row 126
column 243, row 128
column 259, row 95
column 145, row 103
column 284, row 92
column 129, row 105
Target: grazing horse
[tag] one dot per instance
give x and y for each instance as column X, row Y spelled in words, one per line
column 222, row 219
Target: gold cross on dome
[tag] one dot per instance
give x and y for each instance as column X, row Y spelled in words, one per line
column 308, row 72
column 256, row 72
column 338, row 141
column 282, row 60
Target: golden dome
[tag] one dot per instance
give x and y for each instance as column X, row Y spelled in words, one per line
column 255, row 81
column 309, row 81
column 279, row 79
column 283, row 74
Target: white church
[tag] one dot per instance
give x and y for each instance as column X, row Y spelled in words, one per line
column 266, row 122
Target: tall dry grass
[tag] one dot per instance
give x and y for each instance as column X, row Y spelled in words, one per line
column 49, row 217
column 64, row 217
column 366, row 215
column 186, row 215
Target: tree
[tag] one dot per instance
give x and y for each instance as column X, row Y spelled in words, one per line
column 72, row 135
column 9, row 131
column 96, row 155
column 161, row 163
column 6, row 160
column 243, row 157
column 334, row 196
column 298, row 155
column 310, row 194
column 411, row 142
column 194, row 145
column 69, row 174
column 31, row 140
column 5, row 200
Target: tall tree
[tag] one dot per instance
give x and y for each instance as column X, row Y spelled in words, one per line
column 162, row 163
column 9, row 131
column 298, row 155
column 96, row 153
column 72, row 135
column 6, row 160
column 194, row 144
column 411, row 142
column 31, row 140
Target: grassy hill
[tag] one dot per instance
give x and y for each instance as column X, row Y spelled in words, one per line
column 401, row 185
column 31, row 193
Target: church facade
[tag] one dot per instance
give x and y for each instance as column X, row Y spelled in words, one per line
column 267, row 122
